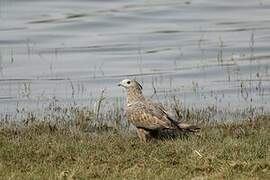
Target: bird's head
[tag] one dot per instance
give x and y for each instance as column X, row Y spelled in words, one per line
column 127, row 83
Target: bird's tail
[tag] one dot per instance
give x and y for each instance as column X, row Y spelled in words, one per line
column 188, row 127
column 184, row 127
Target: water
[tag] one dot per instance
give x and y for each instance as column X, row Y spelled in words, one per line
column 205, row 52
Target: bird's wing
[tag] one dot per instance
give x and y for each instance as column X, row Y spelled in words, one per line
column 158, row 107
column 148, row 115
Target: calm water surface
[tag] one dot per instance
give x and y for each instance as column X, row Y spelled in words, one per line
column 206, row 52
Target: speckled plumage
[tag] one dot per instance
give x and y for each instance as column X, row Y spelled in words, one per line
column 145, row 114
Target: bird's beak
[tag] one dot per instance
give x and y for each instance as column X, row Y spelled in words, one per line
column 120, row 84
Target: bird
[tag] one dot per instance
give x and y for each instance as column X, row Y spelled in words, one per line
column 147, row 115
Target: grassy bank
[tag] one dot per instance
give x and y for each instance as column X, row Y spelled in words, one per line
column 219, row 151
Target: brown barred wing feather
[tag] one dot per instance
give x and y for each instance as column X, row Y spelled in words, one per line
column 147, row 116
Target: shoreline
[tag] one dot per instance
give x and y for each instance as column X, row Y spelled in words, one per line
column 65, row 150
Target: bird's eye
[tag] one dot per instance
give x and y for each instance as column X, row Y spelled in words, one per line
column 128, row 82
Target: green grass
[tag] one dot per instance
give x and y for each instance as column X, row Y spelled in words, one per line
column 219, row 151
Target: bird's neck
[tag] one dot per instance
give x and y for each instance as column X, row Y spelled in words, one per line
column 134, row 94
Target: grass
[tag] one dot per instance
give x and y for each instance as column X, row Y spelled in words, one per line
column 42, row 150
